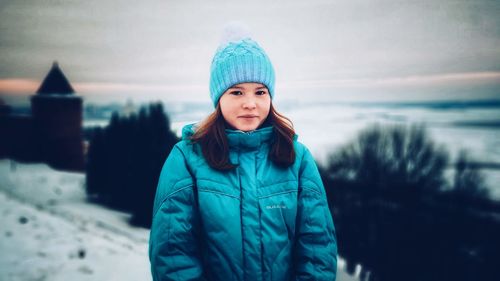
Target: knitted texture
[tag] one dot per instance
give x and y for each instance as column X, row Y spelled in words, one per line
column 238, row 62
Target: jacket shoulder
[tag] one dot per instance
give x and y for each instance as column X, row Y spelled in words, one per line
column 184, row 145
column 309, row 176
column 191, row 151
column 300, row 150
column 175, row 174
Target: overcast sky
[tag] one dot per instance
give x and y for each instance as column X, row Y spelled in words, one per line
column 325, row 50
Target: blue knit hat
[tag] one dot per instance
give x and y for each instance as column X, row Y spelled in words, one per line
column 237, row 60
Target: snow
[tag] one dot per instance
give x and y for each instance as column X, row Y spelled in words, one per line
column 49, row 231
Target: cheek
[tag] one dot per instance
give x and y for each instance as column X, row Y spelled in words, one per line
column 228, row 113
column 225, row 109
column 266, row 107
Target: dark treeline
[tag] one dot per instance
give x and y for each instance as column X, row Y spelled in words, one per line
column 399, row 215
column 125, row 159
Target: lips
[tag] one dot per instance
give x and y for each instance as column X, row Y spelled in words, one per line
column 248, row 116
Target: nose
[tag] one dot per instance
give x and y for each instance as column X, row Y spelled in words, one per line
column 249, row 103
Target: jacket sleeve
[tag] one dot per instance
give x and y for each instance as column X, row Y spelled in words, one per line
column 315, row 250
column 173, row 243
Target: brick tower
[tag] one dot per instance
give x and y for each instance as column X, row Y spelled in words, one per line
column 57, row 120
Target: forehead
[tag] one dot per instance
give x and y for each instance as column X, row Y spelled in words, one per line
column 248, row 85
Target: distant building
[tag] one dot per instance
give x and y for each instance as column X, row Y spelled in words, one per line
column 129, row 108
column 52, row 133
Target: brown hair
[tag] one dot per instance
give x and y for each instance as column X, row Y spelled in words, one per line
column 212, row 138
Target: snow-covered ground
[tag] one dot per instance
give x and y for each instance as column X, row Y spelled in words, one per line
column 50, row 232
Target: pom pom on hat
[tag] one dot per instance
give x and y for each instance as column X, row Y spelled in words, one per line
column 234, row 31
column 239, row 59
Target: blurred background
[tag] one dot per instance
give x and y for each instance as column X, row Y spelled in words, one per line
column 399, row 102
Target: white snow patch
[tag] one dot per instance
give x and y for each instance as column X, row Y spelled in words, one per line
column 50, row 232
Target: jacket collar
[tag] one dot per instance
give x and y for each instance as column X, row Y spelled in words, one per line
column 236, row 138
column 239, row 139
column 249, row 140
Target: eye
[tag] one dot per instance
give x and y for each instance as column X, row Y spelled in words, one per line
column 260, row 93
column 236, row 93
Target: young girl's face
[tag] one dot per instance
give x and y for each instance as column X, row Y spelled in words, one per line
column 245, row 106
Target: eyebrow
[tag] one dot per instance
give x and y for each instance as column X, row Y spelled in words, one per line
column 237, row 87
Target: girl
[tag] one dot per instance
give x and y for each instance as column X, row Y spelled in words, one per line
column 239, row 198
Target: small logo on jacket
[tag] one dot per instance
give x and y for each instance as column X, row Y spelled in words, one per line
column 275, row 207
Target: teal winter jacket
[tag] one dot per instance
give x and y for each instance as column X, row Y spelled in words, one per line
column 256, row 222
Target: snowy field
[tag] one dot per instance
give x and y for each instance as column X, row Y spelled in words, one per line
column 50, row 232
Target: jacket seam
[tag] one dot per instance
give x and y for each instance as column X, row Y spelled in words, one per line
column 218, row 192
column 311, row 187
column 170, row 195
column 276, row 183
column 212, row 181
column 277, row 193
column 186, row 163
column 177, row 190
column 312, row 190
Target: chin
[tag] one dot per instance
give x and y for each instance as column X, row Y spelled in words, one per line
column 247, row 127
